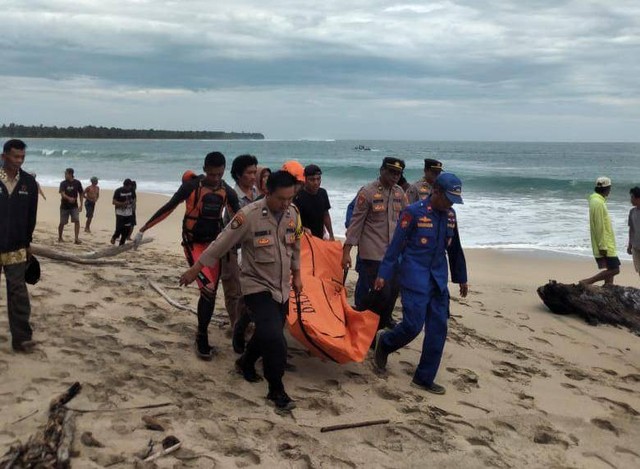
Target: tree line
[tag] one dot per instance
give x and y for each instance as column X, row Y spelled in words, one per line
column 91, row 131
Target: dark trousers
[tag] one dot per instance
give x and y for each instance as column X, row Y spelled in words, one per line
column 124, row 225
column 18, row 305
column 230, row 277
column 268, row 340
column 381, row 303
column 428, row 309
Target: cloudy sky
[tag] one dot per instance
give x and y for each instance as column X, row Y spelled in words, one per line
column 365, row 69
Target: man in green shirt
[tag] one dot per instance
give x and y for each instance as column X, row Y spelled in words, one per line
column 603, row 241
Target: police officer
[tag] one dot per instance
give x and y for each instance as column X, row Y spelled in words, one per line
column 378, row 205
column 421, row 189
column 270, row 262
column 426, row 233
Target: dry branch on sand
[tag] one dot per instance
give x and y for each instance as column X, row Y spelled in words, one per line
column 51, row 447
column 91, row 258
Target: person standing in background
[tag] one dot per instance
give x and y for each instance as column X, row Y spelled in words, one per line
column 91, row 196
column 633, row 246
column 313, row 203
column 263, row 175
column 18, row 203
column 70, row 190
column 603, row 242
column 123, row 199
column 421, row 189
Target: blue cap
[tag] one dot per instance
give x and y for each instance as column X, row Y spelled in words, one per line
column 452, row 187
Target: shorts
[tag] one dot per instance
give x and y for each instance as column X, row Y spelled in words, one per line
column 636, row 259
column 65, row 213
column 209, row 275
column 89, row 208
column 608, row 262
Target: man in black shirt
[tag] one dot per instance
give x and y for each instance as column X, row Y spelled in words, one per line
column 18, row 209
column 313, row 203
column 124, row 199
column 70, row 190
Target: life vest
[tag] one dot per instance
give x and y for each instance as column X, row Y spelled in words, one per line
column 202, row 220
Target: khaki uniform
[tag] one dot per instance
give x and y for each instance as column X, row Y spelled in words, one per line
column 270, row 250
column 418, row 191
column 374, row 219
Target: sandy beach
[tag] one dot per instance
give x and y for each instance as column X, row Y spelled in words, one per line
column 525, row 388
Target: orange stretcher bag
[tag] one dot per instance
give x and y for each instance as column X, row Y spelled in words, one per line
column 321, row 319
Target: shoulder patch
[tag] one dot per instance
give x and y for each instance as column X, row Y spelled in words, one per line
column 405, row 219
column 361, row 200
column 237, row 221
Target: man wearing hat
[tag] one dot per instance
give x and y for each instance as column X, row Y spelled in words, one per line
column 18, row 210
column 313, row 203
column 603, row 242
column 378, row 205
column 91, row 196
column 421, row 189
column 426, row 233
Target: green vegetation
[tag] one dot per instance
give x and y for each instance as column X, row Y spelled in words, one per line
column 90, row 131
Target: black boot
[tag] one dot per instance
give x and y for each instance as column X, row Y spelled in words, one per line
column 203, row 349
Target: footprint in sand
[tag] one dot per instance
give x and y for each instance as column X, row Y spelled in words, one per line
column 526, row 328
column 540, row 340
column 465, row 379
column 605, row 425
column 388, row 393
column 617, row 405
column 324, row 405
column 546, row 435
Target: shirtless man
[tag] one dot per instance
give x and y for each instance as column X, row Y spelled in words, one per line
column 91, row 196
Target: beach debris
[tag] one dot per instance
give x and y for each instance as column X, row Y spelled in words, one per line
column 611, row 304
column 92, row 258
column 88, row 439
column 216, row 320
column 151, row 423
column 51, row 447
column 170, row 444
column 346, row 426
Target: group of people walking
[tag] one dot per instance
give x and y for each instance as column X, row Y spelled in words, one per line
column 401, row 248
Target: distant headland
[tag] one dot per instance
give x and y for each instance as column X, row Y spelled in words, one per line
column 91, row 131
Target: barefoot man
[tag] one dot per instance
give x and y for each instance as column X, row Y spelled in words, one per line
column 70, row 191
column 91, row 196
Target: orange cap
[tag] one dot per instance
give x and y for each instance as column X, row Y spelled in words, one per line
column 295, row 169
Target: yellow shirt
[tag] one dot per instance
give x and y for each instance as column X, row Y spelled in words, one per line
column 602, row 238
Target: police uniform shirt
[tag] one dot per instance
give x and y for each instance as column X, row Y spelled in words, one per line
column 419, row 190
column 424, row 236
column 271, row 249
column 374, row 219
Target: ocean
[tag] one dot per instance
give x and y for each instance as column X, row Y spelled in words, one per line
column 518, row 195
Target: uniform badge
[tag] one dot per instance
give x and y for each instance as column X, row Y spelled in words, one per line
column 361, row 200
column 405, row 220
column 292, row 224
column 237, row 221
column 264, row 241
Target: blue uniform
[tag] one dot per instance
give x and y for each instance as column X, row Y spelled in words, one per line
column 423, row 238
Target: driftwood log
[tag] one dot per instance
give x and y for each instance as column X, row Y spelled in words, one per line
column 49, row 448
column 611, row 304
column 92, row 258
